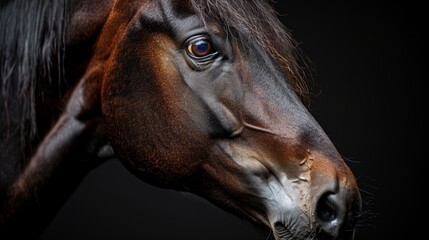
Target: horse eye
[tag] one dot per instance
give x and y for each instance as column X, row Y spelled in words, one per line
column 200, row 48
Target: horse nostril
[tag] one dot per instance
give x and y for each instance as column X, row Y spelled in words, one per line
column 327, row 210
column 330, row 212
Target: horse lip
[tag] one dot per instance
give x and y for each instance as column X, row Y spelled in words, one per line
column 292, row 230
column 281, row 231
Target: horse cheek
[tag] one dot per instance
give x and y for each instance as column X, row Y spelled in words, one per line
column 146, row 124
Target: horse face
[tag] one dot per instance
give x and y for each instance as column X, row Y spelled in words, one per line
column 191, row 107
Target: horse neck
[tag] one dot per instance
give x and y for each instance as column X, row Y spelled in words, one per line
column 16, row 146
column 46, row 163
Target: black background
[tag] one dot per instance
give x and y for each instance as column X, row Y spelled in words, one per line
column 368, row 96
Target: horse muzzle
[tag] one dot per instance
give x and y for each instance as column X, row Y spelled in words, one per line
column 329, row 212
column 308, row 196
column 320, row 201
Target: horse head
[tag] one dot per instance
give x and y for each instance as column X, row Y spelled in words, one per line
column 194, row 95
column 194, row 101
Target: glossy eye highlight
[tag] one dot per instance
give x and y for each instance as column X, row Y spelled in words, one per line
column 200, row 51
column 200, row 47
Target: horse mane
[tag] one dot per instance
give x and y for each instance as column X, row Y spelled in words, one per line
column 31, row 45
column 257, row 18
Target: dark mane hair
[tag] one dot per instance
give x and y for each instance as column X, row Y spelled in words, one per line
column 31, row 44
column 258, row 19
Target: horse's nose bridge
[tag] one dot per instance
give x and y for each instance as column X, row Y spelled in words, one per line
column 315, row 183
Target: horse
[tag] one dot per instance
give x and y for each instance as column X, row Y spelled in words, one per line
column 202, row 96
